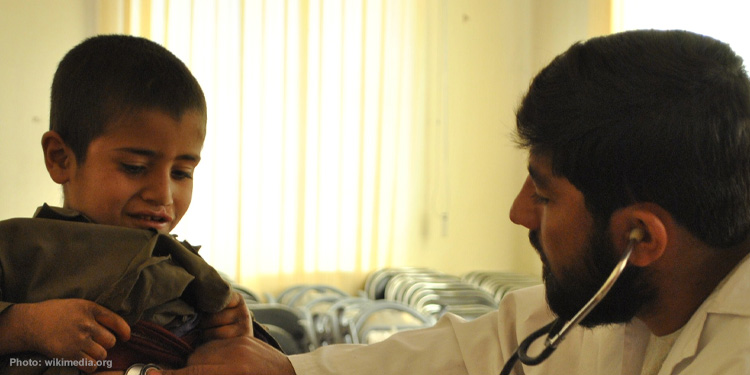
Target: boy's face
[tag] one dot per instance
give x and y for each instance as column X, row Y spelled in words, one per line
column 139, row 173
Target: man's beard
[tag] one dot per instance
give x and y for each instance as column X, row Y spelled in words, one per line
column 567, row 294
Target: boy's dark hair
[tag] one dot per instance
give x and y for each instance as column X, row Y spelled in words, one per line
column 109, row 76
column 649, row 116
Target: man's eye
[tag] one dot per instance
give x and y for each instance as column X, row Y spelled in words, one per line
column 539, row 199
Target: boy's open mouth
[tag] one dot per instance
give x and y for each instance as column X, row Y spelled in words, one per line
column 152, row 218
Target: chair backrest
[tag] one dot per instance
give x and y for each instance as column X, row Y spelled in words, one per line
column 376, row 281
column 499, row 283
column 300, row 295
column 379, row 319
column 287, row 319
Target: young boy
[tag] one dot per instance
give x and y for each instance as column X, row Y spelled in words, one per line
column 100, row 282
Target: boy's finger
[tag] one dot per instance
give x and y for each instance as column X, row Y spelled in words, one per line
column 102, row 338
column 234, row 300
column 87, row 369
column 87, row 363
column 231, row 315
column 223, row 317
column 113, row 322
column 94, row 351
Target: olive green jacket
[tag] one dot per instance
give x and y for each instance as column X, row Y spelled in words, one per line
column 138, row 274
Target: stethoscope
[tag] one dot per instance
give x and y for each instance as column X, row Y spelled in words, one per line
column 554, row 333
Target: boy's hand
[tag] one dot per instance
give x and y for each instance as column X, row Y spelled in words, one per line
column 233, row 321
column 74, row 329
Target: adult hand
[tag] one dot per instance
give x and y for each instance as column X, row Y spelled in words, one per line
column 235, row 356
column 233, row 321
column 72, row 329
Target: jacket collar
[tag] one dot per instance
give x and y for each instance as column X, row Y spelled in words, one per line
column 58, row 213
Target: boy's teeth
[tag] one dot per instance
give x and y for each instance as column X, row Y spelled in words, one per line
column 151, row 218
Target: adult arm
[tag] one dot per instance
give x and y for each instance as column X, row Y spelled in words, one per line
column 454, row 346
column 235, row 356
column 443, row 348
column 424, row 351
column 451, row 346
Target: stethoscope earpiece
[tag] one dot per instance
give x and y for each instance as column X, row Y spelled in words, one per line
column 637, row 235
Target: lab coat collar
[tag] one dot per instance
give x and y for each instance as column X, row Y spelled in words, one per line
column 729, row 298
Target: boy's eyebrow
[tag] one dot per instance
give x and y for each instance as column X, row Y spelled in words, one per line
column 152, row 153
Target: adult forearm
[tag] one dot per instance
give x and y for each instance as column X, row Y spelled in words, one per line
column 236, row 356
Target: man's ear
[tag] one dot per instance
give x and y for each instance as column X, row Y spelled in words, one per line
column 653, row 222
column 58, row 157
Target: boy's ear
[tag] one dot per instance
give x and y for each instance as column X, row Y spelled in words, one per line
column 58, row 157
column 652, row 221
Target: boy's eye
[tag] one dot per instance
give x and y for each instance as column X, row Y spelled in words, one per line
column 538, row 199
column 132, row 168
column 181, row 175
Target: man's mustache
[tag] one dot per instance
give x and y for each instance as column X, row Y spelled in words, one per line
column 534, row 239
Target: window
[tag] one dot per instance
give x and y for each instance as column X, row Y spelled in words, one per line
column 307, row 171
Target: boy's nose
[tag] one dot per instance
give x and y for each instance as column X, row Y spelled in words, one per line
column 523, row 211
column 159, row 190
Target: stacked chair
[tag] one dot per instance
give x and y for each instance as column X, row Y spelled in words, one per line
column 430, row 292
column 283, row 322
column 305, row 317
column 500, row 283
column 361, row 320
column 286, row 325
column 331, row 316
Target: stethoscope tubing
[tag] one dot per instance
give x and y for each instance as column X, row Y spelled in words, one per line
column 554, row 339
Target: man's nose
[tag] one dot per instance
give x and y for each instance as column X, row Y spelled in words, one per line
column 524, row 211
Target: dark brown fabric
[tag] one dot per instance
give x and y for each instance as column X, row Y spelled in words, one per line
column 151, row 343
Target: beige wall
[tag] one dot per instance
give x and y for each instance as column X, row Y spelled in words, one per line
column 35, row 35
column 483, row 55
column 492, row 50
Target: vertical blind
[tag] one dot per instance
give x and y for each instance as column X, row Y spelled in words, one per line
column 310, row 169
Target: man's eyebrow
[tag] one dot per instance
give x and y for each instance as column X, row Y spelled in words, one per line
column 152, row 154
column 540, row 180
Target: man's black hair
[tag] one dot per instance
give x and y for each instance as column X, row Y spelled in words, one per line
column 649, row 116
